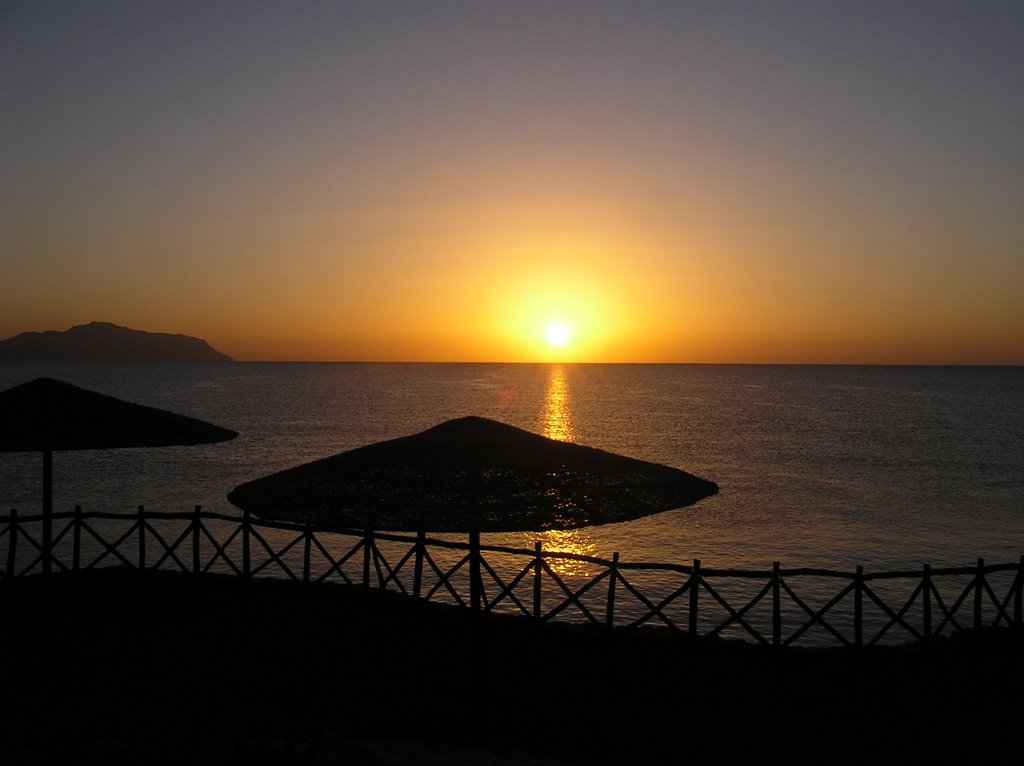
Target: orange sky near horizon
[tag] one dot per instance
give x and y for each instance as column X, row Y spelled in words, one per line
column 673, row 184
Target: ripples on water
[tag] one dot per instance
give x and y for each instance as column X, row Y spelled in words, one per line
column 888, row 467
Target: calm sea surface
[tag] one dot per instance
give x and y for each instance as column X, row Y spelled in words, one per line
column 888, row 467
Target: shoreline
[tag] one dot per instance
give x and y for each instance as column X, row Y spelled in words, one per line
column 214, row 669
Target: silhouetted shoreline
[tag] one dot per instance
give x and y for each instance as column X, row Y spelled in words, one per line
column 172, row 668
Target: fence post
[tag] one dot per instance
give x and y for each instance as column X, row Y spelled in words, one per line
column 12, row 547
column 142, row 538
column 475, row 584
column 245, row 544
column 417, row 571
column 612, row 577
column 926, row 601
column 367, row 546
column 979, row 582
column 47, row 511
column 307, row 543
column 197, row 524
column 776, row 605
column 76, row 552
column 858, row 608
column 537, row 570
column 1018, row 597
column 694, row 590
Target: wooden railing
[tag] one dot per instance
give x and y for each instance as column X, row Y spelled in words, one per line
column 831, row 607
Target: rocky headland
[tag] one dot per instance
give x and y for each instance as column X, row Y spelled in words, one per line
column 106, row 342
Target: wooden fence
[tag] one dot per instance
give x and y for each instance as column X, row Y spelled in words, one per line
column 851, row 609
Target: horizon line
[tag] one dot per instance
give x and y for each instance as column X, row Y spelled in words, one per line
column 633, row 363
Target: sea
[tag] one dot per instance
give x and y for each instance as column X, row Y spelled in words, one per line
column 885, row 467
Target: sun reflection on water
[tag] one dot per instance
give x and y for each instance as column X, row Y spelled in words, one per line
column 556, row 423
column 556, row 420
column 576, row 541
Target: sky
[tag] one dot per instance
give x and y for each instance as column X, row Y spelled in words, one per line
column 748, row 182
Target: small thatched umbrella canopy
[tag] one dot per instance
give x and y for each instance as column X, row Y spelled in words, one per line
column 470, row 475
column 46, row 415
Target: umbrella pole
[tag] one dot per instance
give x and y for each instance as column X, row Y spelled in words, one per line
column 476, row 637
column 474, row 571
column 47, row 509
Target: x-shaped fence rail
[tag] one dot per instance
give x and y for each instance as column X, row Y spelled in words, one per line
column 773, row 607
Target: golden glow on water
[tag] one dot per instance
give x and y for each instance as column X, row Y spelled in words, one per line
column 576, row 541
column 556, row 421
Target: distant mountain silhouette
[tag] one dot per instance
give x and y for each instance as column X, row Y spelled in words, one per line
column 106, row 342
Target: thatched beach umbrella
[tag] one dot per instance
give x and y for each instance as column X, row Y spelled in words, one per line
column 47, row 415
column 470, row 475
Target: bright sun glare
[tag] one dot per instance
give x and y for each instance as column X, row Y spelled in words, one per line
column 558, row 334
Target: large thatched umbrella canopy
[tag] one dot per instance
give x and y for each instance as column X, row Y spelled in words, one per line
column 470, row 474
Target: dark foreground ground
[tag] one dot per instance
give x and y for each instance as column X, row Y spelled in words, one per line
column 169, row 669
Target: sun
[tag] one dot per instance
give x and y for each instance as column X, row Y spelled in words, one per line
column 558, row 334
